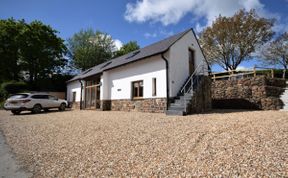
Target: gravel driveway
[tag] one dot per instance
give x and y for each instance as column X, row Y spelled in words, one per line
column 95, row 143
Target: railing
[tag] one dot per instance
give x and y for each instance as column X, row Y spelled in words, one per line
column 241, row 73
column 193, row 79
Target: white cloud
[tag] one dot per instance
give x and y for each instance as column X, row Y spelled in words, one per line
column 150, row 35
column 170, row 12
column 243, row 68
column 166, row 33
column 160, row 32
column 118, row 44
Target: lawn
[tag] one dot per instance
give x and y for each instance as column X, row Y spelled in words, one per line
column 95, row 143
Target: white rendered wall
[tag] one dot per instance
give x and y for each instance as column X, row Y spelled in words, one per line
column 74, row 86
column 104, row 88
column 178, row 58
column 117, row 83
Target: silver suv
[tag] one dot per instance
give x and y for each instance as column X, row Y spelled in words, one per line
column 35, row 102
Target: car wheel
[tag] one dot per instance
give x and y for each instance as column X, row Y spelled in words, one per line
column 62, row 107
column 37, row 108
column 15, row 112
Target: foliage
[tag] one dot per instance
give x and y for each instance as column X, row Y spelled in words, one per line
column 232, row 40
column 276, row 52
column 33, row 48
column 127, row 48
column 12, row 87
column 89, row 48
column 10, row 31
column 57, row 82
column 42, row 52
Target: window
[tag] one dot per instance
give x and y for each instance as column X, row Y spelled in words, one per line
column 105, row 65
column 132, row 54
column 191, row 61
column 74, row 96
column 39, row 96
column 18, row 96
column 137, row 89
column 154, row 93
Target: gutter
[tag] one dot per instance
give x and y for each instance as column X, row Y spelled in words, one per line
column 81, row 93
column 167, row 79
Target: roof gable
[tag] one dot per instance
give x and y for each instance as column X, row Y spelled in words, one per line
column 148, row 51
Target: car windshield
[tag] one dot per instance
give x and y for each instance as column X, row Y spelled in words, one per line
column 18, row 96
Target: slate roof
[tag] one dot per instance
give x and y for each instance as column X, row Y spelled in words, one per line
column 151, row 50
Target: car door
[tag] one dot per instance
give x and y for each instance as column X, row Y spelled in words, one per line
column 44, row 101
column 40, row 99
column 53, row 101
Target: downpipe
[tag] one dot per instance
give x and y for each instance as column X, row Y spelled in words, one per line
column 81, row 88
column 167, row 79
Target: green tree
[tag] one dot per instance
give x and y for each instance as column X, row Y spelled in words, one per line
column 42, row 52
column 127, row 48
column 276, row 52
column 33, row 48
column 232, row 40
column 89, row 48
column 10, row 31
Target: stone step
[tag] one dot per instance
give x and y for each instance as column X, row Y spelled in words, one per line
column 178, row 108
column 182, row 102
column 175, row 113
column 177, row 104
column 185, row 97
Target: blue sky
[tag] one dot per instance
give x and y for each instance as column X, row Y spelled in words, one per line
column 145, row 21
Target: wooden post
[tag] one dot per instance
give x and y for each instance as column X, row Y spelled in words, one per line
column 284, row 74
column 214, row 77
column 272, row 73
column 254, row 70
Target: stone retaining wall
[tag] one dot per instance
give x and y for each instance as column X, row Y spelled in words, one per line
column 154, row 105
column 144, row 105
column 201, row 100
column 258, row 92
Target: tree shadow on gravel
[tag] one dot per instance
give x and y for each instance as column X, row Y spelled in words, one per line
column 225, row 111
column 42, row 112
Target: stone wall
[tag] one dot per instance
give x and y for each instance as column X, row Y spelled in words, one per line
column 105, row 105
column 74, row 105
column 258, row 92
column 143, row 105
column 201, row 100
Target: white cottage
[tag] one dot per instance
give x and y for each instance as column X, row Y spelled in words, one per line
column 170, row 75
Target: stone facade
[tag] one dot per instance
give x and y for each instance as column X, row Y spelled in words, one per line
column 105, row 105
column 74, row 105
column 154, row 105
column 258, row 92
column 201, row 100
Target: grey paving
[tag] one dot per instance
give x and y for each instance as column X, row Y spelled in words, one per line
column 9, row 168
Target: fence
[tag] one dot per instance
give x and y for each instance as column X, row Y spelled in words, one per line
column 238, row 74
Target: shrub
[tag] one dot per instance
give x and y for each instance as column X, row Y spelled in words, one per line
column 12, row 87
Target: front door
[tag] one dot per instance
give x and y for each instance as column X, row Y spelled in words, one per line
column 92, row 95
column 191, row 61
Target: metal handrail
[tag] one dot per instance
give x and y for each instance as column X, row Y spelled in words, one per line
column 191, row 78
